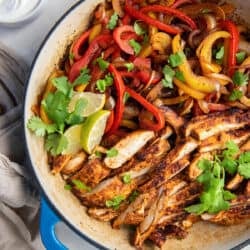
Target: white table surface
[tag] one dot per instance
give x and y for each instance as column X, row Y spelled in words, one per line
column 25, row 39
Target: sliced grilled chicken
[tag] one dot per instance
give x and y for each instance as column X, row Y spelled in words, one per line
column 92, row 173
column 194, row 171
column 246, row 146
column 218, row 141
column 172, row 118
column 128, row 147
column 108, row 190
column 106, row 214
column 171, row 200
column 163, row 173
column 59, row 162
column 203, row 127
column 149, row 155
column 238, row 212
column 74, row 164
column 160, row 235
column 136, row 211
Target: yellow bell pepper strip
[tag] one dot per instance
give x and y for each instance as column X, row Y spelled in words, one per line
column 189, row 91
column 245, row 63
column 204, row 52
column 199, row 83
column 95, row 31
column 49, row 89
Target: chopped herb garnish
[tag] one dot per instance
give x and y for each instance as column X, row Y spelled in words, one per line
column 67, row 187
column 235, row 95
column 133, row 196
column 40, row 128
column 98, row 154
column 240, row 57
column 135, row 45
column 139, row 29
column 115, row 202
column 71, row 56
column 76, row 116
column 55, row 143
column 112, row 152
column 113, row 21
column 126, row 178
column 126, row 97
column 240, row 79
column 168, row 73
column 176, row 59
column 102, row 84
column 102, row 63
column 244, row 170
column 129, row 66
column 81, row 185
column 179, row 75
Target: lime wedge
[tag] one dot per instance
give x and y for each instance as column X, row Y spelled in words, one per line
column 73, row 135
column 95, row 102
column 93, row 129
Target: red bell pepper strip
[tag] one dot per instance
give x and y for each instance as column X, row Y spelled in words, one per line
column 92, row 50
column 171, row 11
column 233, row 44
column 159, row 116
column 178, row 3
column 141, row 16
column 124, row 42
column 120, row 91
column 79, row 43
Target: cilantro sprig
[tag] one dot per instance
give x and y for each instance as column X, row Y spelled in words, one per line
column 240, row 79
column 115, row 202
column 113, row 21
column 102, row 84
column 214, row 197
column 176, row 59
column 135, row 45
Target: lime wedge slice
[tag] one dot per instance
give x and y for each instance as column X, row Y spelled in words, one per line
column 95, row 102
column 93, row 129
column 73, row 135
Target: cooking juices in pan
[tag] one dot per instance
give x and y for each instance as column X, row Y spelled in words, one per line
column 148, row 118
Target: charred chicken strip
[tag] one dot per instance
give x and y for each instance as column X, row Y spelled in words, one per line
column 107, row 190
column 127, row 147
column 168, row 200
column 92, row 173
column 205, row 126
column 59, row 163
column 218, row 141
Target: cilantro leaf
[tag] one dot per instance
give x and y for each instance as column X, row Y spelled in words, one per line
column 244, row 170
column 76, row 116
column 129, row 66
column 231, row 149
column 63, row 86
column 135, row 45
column 168, row 73
column 235, row 95
column 230, row 165
column 102, row 63
column 240, row 57
column 176, row 59
column 55, row 143
column 83, row 78
column 40, row 128
column 81, row 185
column 55, row 105
column 139, row 29
column 115, row 202
column 112, row 21
column 102, row 84
column 126, row 178
column 240, row 79
column 244, row 157
column 112, row 152
column 196, row 209
column 228, row 195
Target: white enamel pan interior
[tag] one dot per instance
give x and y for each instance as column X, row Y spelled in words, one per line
column 201, row 236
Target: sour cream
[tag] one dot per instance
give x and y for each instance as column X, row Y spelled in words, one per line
column 13, row 11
